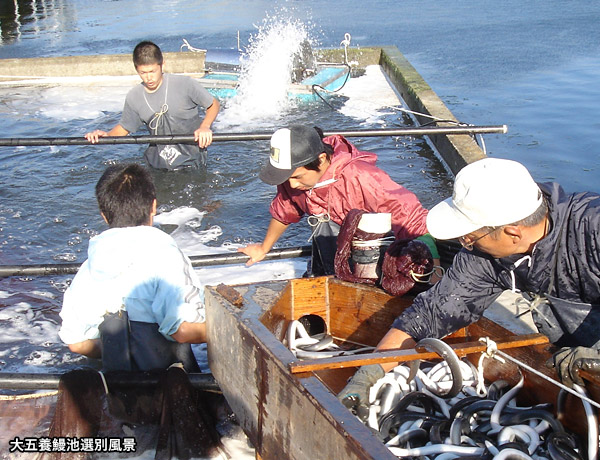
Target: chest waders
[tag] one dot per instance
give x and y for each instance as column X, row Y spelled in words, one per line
column 324, row 245
column 138, row 346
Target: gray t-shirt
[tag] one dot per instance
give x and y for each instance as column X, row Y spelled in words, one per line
column 172, row 109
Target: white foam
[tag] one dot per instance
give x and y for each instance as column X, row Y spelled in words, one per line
column 82, row 102
column 179, row 216
column 262, row 271
column 193, row 243
column 369, row 96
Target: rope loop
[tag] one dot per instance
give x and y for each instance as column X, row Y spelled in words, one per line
column 491, row 349
column 491, row 353
column 189, row 47
column 316, row 220
column 155, row 121
column 346, row 43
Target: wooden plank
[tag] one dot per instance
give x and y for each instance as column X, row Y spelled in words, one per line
column 461, row 349
column 309, row 296
column 233, row 363
column 362, row 314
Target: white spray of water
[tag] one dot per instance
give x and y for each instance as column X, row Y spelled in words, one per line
column 266, row 73
column 192, row 242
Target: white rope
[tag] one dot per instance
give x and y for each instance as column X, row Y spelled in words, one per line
column 316, row 220
column 28, row 396
column 191, row 48
column 346, row 43
column 490, row 352
column 156, row 119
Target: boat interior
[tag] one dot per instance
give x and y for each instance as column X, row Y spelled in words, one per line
column 360, row 315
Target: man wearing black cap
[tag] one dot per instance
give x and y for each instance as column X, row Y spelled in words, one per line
column 325, row 178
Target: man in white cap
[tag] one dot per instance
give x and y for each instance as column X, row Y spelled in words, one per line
column 325, row 178
column 518, row 235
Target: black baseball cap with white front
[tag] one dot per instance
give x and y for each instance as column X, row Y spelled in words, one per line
column 291, row 148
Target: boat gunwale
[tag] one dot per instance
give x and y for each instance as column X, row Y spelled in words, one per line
column 274, row 355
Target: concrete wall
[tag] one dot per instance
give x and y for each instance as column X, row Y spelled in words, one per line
column 83, row 66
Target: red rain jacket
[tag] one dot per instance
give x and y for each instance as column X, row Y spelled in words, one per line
column 359, row 184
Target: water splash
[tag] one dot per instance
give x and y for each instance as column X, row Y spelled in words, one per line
column 266, row 73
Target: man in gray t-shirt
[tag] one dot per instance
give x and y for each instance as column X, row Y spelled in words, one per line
column 166, row 104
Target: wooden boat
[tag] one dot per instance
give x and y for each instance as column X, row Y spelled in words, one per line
column 288, row 408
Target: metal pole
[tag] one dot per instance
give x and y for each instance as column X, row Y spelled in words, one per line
column 545, row 377
column 197, row 261
column 24, row 381
column 251, row 136
column 492, row 350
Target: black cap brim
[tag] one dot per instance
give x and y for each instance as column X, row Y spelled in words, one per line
column 274, row 176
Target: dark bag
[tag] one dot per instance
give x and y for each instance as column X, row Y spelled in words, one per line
column 406, row 265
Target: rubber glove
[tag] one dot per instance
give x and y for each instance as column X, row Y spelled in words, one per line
column 567, row 361
column 355, row 395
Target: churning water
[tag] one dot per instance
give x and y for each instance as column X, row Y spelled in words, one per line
column 48, row 211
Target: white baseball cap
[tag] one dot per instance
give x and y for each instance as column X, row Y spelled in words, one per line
column 487, row 193
column 291, row 148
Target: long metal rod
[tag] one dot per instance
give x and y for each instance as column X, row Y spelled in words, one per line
column 545, row 377
column 197, row 261
column 25, row 381
column 251, row 136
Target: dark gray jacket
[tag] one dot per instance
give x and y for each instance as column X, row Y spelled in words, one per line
column 570, row 253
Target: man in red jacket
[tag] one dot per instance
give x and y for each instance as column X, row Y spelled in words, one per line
column 325, row 178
